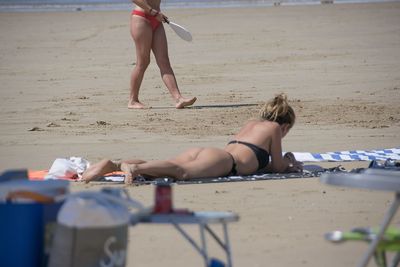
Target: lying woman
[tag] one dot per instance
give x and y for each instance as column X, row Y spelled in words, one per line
column 256, row 147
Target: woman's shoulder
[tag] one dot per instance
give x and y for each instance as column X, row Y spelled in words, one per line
column 265, row 124
column 261, row 126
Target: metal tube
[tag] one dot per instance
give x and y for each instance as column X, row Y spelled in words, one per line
column 385, row 223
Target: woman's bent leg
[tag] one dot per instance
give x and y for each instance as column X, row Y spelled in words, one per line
column 105, row 166
column 98, row 169
column 155, row 168
column 160, row 50
column 142, row 35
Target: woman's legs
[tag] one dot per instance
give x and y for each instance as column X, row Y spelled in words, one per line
column 160, row 50
column 142, row 35
column 159, row 168
column 193, row 163
column 156, row 168
column 105, row 166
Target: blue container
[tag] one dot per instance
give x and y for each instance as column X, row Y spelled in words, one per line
column 24, row 231
column 22, row 234
column 216, row 263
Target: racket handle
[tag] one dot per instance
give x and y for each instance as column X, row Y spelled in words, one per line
column 166, row 20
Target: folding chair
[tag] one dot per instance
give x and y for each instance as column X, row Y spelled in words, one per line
column 390, row 242
column 373, row 179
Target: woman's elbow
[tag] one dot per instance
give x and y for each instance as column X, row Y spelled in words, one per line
column 278, row 168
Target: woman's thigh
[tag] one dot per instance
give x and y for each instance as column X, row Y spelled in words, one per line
column 187, row 156
column 142, row 35
column 160, row 45
column 207, row 162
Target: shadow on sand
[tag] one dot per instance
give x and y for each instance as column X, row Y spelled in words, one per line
column 211, row 106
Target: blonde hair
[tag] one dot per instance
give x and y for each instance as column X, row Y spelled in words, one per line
column 278, row 110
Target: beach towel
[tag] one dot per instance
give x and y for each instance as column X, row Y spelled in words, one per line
column 308, row 172
column 351, row 155
column 385, row 155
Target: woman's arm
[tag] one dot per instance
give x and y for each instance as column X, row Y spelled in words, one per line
column 278, row 162
column 294, row 165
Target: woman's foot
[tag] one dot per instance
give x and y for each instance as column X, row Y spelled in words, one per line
column 184, row 102
column 99, row 169
column 129, row 171
column 136, row 105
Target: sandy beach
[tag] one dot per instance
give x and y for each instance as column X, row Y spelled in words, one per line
column 64, row 84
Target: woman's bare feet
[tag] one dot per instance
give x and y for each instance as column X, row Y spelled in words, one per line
column 97, row 170
column 129, row 171
column 136, row 105
column 184, row 102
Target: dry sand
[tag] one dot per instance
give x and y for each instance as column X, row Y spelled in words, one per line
column 66, row 76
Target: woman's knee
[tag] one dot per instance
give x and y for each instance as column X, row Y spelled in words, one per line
column 164, row 64
column 142, row 65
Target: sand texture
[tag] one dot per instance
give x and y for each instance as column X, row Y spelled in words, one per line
column 64, row 83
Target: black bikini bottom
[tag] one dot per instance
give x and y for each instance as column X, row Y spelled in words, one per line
column 233, row 170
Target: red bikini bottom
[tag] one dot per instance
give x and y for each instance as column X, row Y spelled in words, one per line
column 154, row 23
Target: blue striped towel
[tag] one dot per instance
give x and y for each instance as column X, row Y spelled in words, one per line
column 352, row 155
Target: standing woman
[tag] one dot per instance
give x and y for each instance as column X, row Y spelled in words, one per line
column 149, row 35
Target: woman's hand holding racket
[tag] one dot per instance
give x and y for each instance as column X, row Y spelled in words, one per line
column 178, row 29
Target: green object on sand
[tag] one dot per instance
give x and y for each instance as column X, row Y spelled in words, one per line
column 390, row 242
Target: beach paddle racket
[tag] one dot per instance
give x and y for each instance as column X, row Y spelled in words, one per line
column 180, row 30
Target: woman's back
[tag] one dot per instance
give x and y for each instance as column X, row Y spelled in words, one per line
column 251, row 145
column 257, row 132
